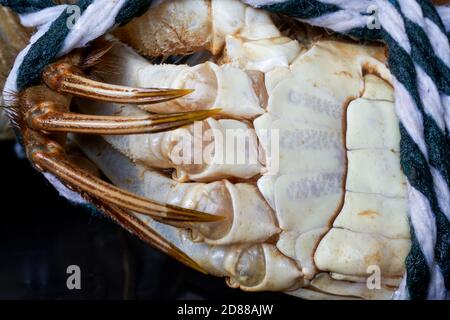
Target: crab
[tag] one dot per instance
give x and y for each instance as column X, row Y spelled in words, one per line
column 269, row 157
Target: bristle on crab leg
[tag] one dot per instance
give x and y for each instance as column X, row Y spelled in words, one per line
column 137, row 227
column 65, row 78
column 49, row 156
column 49, row 120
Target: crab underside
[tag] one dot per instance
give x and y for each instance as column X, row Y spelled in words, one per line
column 289, row 179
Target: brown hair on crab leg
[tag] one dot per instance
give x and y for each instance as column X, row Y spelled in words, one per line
column 67, row 76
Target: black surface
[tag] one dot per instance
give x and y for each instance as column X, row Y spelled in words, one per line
column 41, row 234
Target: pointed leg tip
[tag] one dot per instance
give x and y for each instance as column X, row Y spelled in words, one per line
column 194, row 265
column 164, row 93
column 199, row 269
column 189, row 215
column 185, row 92
column 69, row 79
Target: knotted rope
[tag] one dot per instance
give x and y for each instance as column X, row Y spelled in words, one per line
column 417, row 36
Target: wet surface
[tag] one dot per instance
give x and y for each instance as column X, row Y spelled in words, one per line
column 41, row 235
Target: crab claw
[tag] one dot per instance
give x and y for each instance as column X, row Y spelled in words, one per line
column 64, row 77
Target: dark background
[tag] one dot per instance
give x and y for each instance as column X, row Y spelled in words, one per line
column 41, row 234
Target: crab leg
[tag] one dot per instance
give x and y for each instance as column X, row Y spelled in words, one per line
column 52, row 160
column 49, row 120
column 65, row 78
column 45, row 110
column 229, row 88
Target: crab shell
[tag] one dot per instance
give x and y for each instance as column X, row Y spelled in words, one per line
column 323, row 208
column 313, row 196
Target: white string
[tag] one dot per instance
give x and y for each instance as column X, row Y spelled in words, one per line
column 42, row 17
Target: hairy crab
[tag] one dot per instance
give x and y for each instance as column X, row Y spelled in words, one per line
column 288, row 181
